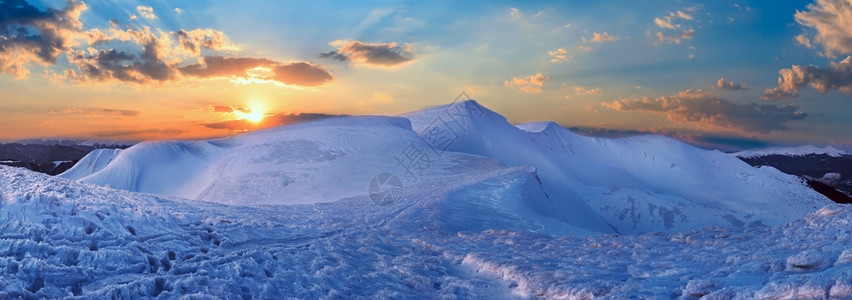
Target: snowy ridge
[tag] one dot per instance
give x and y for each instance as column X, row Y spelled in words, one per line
column 92, row 163
column 66, row 239
column 605, row 185
column 637, row 184
column 792, row 151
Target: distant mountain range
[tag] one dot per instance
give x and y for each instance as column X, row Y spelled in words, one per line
column 825, row 169
column 793, row 151
column 50, row 156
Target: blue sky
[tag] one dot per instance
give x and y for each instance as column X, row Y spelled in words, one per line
column 613, row 65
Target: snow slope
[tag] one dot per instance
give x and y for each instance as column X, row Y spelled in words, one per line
column 624, row 185
column 91, row 163
column 792, row 151
column 637, row 184
column 66, row 239
column 325, row 161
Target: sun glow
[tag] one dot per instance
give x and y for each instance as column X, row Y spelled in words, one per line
column 251, row 115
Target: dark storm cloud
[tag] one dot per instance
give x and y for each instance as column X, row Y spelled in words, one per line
column 701, row 107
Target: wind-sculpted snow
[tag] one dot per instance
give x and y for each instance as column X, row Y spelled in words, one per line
column 92, row 163
column 65, row 239
column 637, row 184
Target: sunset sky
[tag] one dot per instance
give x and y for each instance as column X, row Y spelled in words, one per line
column 720, row 74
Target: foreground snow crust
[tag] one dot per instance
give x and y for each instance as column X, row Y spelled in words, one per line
column 61, row 238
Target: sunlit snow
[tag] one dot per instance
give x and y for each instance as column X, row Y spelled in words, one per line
column 479, row 208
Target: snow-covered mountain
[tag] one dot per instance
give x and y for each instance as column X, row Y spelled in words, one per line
column 47, row 156
column 792, row 151
column 568, row 183
column 448, row 202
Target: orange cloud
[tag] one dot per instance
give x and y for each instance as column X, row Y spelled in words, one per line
column 529, row 84
column 837, row 76
column 601, row 37
column 730, row 85
column 100, row 111
column 140, row 55
column 587, row 91
column 831, row 20
column 677, row 38
column 146, row 12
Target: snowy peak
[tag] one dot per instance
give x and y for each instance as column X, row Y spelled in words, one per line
column 792, row 151
column 536, row 127
column 636, row 184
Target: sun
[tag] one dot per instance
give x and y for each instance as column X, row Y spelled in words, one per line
column 251, row 115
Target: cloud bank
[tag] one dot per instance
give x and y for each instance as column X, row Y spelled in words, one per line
column 837, row 76
column 29, row 35
column 700, row 107
column 388, row 54
column 146, row 56
column 832, row 21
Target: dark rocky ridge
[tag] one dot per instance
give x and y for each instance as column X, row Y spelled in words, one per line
column 45, row 158
column 829, row 175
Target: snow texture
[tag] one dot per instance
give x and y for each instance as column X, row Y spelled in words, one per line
column 498, row 212
column 61, row 238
